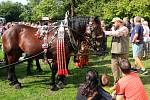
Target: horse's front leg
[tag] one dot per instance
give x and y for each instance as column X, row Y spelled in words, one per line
column 62, row 78
column 53, row 80
column 11, row 73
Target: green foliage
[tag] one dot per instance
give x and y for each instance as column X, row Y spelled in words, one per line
column 109, row 10
column 49, row 8
column 33, row 3
column 10, row 11
column 55, row 9
column 126, row 8
column 26, row 15
column 36, row 86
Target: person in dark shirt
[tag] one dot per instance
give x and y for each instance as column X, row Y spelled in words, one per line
column 91, row 90
column 137, row 43
column 126, row 23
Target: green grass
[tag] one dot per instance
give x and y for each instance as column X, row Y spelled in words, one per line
column 36, row 86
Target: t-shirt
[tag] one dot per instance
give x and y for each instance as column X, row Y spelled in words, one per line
column 131, row 87
column 137, row 29
column 146, row 31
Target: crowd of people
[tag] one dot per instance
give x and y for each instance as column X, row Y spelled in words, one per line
column 5, row 26
column 129, row 87
column 121, row 34
column 127, row 83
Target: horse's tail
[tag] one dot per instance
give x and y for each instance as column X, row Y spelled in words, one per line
column 5, row 59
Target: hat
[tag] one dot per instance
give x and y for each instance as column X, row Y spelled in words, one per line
column 117, row 19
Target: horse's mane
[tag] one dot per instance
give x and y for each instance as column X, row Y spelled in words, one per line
column 78, row 21
column 20, row 26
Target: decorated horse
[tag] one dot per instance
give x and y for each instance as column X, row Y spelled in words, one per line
column 62, row 42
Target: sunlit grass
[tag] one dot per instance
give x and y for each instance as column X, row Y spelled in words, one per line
column 36, row 86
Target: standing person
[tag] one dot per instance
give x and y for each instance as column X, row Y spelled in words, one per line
column 103, row 25
column 137, row 43
column 126, row 22
column 131, row 25
column 129, row 87
column 142, row 20
column 119, row 46
column 146, row 31
column 146, row 38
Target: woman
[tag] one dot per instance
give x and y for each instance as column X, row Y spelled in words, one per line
column 91, row 90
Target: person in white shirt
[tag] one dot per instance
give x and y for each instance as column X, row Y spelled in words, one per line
column 146, row 31
column 146, row 37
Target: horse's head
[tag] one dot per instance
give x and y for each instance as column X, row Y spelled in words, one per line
column 94, row 34
column 87, row 29
column 94, row 26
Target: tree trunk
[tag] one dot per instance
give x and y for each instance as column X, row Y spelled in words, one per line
column 72, row 11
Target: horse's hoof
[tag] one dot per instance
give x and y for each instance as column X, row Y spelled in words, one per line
column 12, row 84
column 64, row 81
column 29, row 73
column 51, row 83
column 60, row 85
column 40, row 70
column 17, row 86
column 54, row 88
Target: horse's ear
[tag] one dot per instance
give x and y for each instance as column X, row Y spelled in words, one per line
column 66, row 18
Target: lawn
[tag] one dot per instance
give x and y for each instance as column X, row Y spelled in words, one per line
column 36, row 86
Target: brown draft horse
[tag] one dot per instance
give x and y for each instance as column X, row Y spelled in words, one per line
column 20, row 38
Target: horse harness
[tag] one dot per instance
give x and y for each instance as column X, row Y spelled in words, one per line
column 69, row 28
column 43, row 36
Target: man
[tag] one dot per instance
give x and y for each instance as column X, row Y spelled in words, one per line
column 120, row 45
column 137, row 43
column 130, row 86
column 146, row 38
column 126, row 22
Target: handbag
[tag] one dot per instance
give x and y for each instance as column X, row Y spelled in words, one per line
column 120, row 45
column 116, row 45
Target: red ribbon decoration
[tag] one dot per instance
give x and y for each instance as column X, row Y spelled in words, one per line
column 61, row 53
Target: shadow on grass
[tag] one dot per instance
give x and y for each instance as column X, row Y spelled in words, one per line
column 21, row 72
column 78, row 75
column 42, row 83
column 145, row 79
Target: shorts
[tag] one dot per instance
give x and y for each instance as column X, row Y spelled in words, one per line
column 137, row 50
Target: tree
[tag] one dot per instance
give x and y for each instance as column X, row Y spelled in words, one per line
column 90, row 8
column 11, row 11
column 126, row 8
column 26, row 14
column 71, row 5
column 54, row 9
